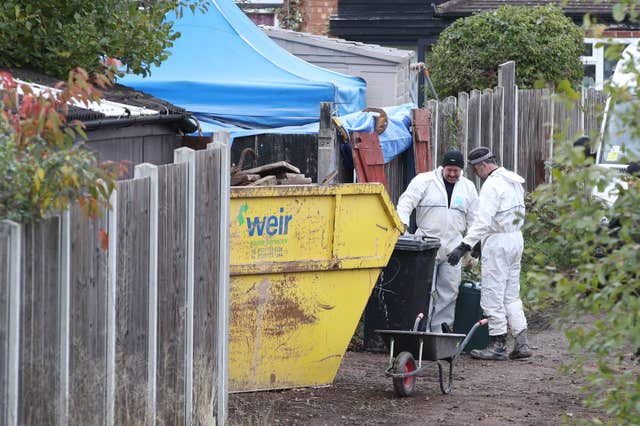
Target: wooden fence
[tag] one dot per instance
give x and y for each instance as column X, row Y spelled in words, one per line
column 519, row 126
column 133, row 333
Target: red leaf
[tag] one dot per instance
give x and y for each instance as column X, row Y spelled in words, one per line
column 104, row 239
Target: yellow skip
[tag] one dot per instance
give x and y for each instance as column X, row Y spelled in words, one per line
column 304, row 260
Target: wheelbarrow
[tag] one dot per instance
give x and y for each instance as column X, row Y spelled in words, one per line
column 406, row 347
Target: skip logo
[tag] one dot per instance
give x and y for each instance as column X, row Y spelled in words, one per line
column 264, row 225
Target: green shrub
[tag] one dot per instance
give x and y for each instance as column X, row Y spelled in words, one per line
column 545, row 45
column 565, row 244
column 43, row 169
column 55, row 36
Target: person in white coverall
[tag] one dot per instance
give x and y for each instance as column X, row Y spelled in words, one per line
column 444, row 201
column 497, row 225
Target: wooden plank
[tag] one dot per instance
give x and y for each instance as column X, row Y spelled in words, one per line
column 432, row 107
column 88, row 319
column 593, row 109
column 507, row 80
column 497, row 122
column 300, row 151
column 463, row 123
column 272, row 168
column 486, row 118
column 39, row 323
column 447, row 127
column 474, row 128
column 132, row 295
column 326, row 143
column 421, row 124
column 394, row 172
column 171, row 303
column 206, row 268
column 5, row 285
column 10, row 302
column 543, row 155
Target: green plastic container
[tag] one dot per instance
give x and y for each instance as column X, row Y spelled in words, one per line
column 468, row 312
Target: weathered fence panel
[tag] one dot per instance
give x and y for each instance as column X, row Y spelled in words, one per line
column 10, row 250
column 497, row 122
column 122, row 319
column 171, row 293
column 132, row 301
column 88, row 319
column 40, row 319
column 486, row 117
column 593, row 104
column 507, row 80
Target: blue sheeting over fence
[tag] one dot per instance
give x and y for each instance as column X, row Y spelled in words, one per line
column 394, row 140
column 225, row 68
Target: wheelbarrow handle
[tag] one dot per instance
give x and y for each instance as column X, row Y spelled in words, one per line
column 468, row 337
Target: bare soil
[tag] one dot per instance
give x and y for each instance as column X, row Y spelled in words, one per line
column 522, row 392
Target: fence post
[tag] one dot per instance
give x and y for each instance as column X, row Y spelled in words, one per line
column 112, row 282
column 432, row 107
column 463, row 130
column 65, row 290
column 10, row 254
column 507, row 80
column 498, row 122
column 221, row 143
column 327, row 153
column 151, row 171
column 187, row 155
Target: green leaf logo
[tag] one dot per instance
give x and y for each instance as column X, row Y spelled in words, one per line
column 243, row 209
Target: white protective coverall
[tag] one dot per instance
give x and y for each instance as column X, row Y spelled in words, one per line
column 497, row 223
column 427, row 194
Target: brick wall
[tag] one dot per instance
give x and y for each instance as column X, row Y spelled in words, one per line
column 316, row 15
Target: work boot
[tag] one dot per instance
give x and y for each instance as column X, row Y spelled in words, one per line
column 497, row 349
column 446, row 328
column 521, row 346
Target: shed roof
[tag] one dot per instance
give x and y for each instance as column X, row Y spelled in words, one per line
column 570, row 7
column 114, row 97
column 357, row 48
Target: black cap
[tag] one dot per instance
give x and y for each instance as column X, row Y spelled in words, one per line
column 479, row 154
column 453, row 158
column 633, row 169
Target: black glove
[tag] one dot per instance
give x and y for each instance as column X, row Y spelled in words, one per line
column 454, row 257
column 475, row 251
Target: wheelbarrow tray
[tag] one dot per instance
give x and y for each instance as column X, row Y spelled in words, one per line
column 435, row 346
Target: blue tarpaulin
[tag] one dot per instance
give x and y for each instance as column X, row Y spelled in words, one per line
column 394, row 140
column 224, row 68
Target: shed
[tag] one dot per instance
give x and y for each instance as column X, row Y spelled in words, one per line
column 127, row 125
column 387, row 71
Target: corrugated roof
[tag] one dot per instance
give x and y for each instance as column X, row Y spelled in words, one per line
column 570, row 7
column 116, row 98
column 370, row 50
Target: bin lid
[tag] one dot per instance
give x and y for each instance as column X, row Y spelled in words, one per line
column 417, row 243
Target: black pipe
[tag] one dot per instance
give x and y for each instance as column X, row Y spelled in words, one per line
column 184, row 122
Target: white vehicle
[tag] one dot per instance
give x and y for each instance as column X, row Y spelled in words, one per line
column 617, row 144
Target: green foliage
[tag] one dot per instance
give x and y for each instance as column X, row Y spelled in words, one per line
column 42, row 167
column 591, row 271
column 545, row 44
column 290, row 15
column 55, row 36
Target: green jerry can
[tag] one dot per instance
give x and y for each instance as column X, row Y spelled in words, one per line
column 468, row 312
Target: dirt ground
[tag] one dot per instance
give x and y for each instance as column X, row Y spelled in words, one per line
column 523, row 392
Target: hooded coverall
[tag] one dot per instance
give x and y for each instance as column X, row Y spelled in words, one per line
column 497, row 224
column 434, row 217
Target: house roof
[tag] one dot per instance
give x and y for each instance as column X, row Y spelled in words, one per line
column 118, row 100
column 601, row 8
column 357, row 48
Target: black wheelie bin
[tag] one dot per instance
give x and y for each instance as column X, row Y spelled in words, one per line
column 402, row 290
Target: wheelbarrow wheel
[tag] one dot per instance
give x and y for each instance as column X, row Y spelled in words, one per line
column 404, row 363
